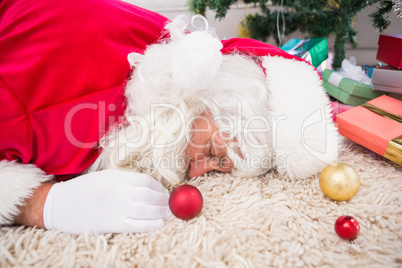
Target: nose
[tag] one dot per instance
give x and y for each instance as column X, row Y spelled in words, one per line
column 202, row 166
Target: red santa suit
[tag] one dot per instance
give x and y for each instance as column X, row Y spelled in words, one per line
column 63, row 67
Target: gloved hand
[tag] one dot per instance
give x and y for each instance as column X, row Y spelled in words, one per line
column 108, row 201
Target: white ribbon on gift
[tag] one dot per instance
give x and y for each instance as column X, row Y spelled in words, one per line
column 294, row 49
column 305, row 55
column 349, row 70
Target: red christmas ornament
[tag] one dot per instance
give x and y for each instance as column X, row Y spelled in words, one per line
column 347, row 227
column 185, row 202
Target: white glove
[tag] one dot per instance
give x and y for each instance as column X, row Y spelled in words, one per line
column 108, row 201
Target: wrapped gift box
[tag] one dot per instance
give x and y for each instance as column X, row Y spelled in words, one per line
column 347, row 90
column 390, row 50
column 313, row 50
column 377, row 125
column 387, row 78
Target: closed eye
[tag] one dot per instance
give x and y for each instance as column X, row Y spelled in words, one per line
column 211, row 150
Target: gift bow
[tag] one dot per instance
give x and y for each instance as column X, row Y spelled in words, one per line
column 350, row 70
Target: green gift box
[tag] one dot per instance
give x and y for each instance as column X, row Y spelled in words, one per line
column 313, row 50
column 348, row 90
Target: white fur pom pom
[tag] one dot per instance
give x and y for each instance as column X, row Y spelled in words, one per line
column 196, row 60
column 196, row 56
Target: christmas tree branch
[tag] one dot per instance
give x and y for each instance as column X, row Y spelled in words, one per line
column 380, row 17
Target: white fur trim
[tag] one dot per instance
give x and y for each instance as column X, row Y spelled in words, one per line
column 17, row 182
column 196, row 60
column 304, row 139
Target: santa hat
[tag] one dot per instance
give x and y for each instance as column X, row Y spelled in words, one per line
column 303, row 137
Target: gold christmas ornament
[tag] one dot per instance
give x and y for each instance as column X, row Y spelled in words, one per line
column 339, row 181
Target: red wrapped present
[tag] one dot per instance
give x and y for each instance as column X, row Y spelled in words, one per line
column 390, row 50
column 377, row 125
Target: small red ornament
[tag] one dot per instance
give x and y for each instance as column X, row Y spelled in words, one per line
column 186, row 202
column 347, row 227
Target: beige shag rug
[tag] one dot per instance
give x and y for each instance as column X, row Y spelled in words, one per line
column 267, row 221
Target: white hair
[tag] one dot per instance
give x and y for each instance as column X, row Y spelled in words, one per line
column 160, row 114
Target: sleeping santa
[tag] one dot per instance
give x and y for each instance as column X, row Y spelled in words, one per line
column 105, row 103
